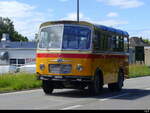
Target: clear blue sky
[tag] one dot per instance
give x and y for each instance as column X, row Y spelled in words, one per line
column 130, row 15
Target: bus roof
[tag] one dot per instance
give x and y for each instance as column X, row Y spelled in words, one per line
column 65, row 22
column 102, row 27
column 110, row 29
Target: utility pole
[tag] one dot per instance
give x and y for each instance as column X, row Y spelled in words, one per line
column 78, row 13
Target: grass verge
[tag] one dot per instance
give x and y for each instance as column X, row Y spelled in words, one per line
column 17, row 82
column 136, row 70
column 26, row 81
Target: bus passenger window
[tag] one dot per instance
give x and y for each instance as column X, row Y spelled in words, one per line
column 105, row 44
column 97, row 41
column 110, row 43
column 121, row 43
column 126, row 42
column 117, row 43
column 114, row 43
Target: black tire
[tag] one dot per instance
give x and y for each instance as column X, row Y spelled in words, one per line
column 47, row 87
column 117, row 86
column 96, row 86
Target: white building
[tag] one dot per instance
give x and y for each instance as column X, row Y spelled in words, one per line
column 147, row 55
column 16, row 54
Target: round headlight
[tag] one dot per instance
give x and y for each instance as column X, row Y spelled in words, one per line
column 79, row 67
column 42, row 67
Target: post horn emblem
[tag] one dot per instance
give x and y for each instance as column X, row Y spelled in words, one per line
column 59, row 60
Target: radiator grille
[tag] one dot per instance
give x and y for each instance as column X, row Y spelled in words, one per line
column 60, row 68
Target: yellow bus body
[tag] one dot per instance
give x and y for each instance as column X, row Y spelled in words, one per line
column 108, row 63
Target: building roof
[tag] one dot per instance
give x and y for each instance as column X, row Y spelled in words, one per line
column 18, row 45
column 136, row 41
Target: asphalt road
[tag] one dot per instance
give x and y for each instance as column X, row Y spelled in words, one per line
column 134, row 96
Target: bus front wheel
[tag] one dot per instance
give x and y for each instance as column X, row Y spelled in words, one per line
column 47, row 87
column 96, row 86
column 119, row 84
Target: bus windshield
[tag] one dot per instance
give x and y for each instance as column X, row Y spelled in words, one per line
column 65, row 37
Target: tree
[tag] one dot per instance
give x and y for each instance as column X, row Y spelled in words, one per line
column 18, row 37
column 6, row 26
column 146, row 41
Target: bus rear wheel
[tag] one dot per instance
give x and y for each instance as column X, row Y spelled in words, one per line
column 118, row 85
column 96, row 86
column 47, row 87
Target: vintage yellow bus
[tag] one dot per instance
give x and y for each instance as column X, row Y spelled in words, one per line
column 81, row 55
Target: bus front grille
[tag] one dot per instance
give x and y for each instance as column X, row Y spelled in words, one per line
column 60, row 68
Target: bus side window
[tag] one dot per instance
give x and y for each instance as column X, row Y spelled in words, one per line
column 120, row 44
column 102, row 41
column 117, row 43
column 114, row 45
column 111, row 43
column 105, row 42
column 96, row 41
column 126, row 42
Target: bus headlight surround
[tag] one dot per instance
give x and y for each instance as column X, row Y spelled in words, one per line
column 42, row 67
column 79, row 67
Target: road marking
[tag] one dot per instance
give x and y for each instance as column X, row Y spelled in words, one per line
column 71, row 107
column 113, row 97
column 21, row 92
